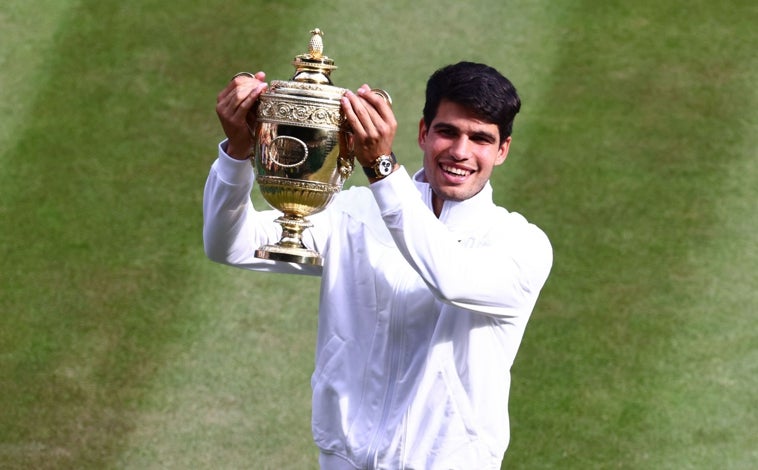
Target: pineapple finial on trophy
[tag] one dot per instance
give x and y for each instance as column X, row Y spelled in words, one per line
column 314, row 66
column 316, row 44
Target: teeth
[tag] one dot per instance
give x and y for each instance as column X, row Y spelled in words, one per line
column 455, row 171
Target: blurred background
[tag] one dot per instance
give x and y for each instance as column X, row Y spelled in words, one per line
column 122, row 346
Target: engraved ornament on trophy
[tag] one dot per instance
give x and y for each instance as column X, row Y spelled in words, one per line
column 301, row 155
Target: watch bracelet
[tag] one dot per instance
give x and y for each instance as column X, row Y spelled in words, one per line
column 369, row 170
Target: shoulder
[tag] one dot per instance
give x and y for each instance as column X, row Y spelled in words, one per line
column 514, row 221
column 517, row 231
column 354, row 194
column 355, row 209
column 356, row 202
column 353, row 200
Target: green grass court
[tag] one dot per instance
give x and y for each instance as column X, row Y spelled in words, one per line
column 122, row 347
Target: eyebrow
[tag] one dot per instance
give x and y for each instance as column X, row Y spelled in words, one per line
column 444, row 126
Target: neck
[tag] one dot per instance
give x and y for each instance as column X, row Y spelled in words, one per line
column 437, row 203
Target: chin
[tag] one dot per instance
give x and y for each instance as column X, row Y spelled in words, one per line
column 450, row 196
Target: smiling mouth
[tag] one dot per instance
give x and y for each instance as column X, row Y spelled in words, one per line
column 455, row 171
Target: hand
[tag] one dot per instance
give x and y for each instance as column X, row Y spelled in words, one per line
column 233, row 106
column 372, row 123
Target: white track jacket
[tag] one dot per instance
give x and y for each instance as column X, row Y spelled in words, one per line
column 420, row 318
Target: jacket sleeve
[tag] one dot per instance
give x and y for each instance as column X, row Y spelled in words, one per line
column 501, row 276
column 232, row 228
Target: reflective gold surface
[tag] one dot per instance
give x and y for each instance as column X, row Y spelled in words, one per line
column 301, row 152
column 299, row 162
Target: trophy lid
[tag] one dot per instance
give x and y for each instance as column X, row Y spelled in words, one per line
column 314, row 66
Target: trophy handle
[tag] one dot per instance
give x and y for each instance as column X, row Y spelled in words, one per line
column 345, row 164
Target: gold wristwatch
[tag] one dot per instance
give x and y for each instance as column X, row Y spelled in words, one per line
column 381, row 167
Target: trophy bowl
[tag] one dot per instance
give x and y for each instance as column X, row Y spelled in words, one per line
column 300, row 152
column 299, row 162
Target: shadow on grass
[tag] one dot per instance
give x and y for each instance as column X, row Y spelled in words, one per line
column 101, row 244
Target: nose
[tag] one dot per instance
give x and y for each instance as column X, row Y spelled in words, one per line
column 459, row 148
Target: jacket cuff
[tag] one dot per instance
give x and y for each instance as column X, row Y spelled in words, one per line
column 392, row 191
column 230, row 170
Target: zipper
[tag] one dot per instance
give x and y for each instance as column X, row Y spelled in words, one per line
column 394, row 340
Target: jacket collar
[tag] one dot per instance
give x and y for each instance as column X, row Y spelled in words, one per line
column 457, row 213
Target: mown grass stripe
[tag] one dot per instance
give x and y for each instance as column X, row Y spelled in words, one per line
column 121, row 346
column 100, row 250
column 273, row 430
column 28, row 38
column 640, row 132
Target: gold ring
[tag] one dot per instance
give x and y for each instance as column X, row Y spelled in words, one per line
column 247, row 74
column 383, row 94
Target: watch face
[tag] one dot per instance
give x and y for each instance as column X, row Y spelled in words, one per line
column 384, row 166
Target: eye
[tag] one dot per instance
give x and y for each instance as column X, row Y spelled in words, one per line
column 484, row 139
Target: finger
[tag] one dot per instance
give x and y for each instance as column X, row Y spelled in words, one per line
column 246, row 100
column 378, row 102
column 224, row 94
column 247, row 75
column 354, row 112
column 243, row 80
column 232, row 95
column 367, row 112
column 378, row 125
column 240, row 99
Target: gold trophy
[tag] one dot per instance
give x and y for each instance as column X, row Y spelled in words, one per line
column 301, row 153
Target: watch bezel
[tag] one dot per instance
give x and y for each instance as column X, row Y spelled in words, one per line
column 374, row 171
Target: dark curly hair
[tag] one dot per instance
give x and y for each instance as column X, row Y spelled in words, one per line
column 478, row 87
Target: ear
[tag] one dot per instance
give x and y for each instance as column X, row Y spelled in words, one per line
column 502, row 152
column 422, row 133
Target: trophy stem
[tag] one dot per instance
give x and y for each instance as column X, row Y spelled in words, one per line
column 290, row 247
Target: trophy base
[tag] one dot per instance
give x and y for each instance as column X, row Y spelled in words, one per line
column 289, row 255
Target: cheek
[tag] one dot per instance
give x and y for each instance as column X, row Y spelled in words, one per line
column 430, row 154
column 485, row 170
column 429, row 166
column 489, row 161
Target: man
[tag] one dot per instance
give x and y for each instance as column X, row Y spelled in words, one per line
column 427, row 286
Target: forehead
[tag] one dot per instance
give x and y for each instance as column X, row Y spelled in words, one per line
column 451, row 114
